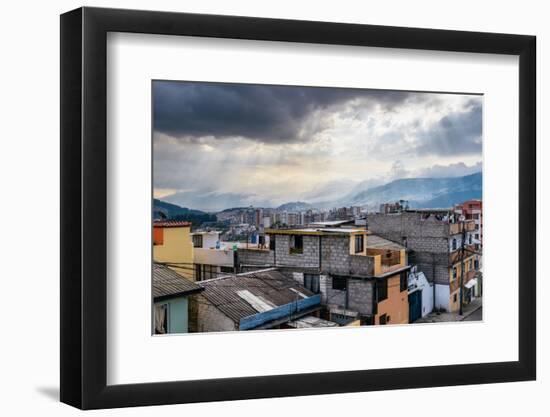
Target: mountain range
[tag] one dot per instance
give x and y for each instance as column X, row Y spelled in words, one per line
column 418, row 192
column 164, row 210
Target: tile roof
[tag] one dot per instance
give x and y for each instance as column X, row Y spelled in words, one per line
column 244, row 295
column 168, row 283
column 171, row 223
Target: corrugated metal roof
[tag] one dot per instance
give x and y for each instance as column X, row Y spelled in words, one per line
column 378, row 242
column 270, row 286
column 167, row 282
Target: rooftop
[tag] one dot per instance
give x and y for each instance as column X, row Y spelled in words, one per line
column 332, row 223
column 167, row 283
column 244, row 295
column 171, row 223
column 378, row 242
column 317, row 231
column 310, row 322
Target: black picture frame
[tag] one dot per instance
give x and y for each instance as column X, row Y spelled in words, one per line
column 84, row 207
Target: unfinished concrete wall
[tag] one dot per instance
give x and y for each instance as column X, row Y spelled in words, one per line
column 426, row 239
column 261, row 258
column 309, row 258
column 335, row 256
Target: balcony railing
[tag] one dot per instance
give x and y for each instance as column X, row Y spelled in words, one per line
column 456, row 228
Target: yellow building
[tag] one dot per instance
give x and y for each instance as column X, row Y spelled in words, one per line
column 172, row 245
column 454, row 281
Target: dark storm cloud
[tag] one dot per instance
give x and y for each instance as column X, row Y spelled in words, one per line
column 259, row 112
column 455, row 134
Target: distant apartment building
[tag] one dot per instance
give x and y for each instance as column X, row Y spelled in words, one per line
column 473, row 210
column 172, row 246
column 397, row 207
column 360, row 277
column 435, row 239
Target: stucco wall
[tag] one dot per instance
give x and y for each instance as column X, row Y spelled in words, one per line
column 213, row 257
column 396, row 306
column 177, row 248
column 442, row 297
column 178, row 314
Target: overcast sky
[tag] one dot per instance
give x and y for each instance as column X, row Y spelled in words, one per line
column 267, row 145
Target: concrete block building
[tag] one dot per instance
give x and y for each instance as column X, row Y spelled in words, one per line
column 359, row 276
column 434, row 239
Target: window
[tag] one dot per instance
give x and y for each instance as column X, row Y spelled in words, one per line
column 470, row 265
column 477, row 226
column 261, row 240
column 339, row 283
column 311, row 282
column 476, row 264
column 209, row 271
column 161, row 319
column 383, row 319
column 367, row 320
column 198, row 272
column 454, row 298
column 272, row 242
column 197, row 241
column 296, row 244
column 227, row 269
column 403, row 281
column 476, row 216
column 359, row 243
column 470, row 239
column 381, row 289
column 477, row 236
column 454, row 244
column 455, row 272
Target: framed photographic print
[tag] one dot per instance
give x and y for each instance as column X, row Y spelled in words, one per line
column 258, row 208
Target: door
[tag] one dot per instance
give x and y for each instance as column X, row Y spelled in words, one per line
column 415, row 306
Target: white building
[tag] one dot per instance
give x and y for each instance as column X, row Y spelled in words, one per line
column 211, row 258
column 421, row 295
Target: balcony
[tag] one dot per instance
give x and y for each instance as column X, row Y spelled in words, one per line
column 456, row 228
column 386, row 260
column 454, row 256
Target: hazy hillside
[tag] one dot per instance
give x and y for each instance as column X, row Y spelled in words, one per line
column 162, row 209
column 420, row 192
column 295, row 206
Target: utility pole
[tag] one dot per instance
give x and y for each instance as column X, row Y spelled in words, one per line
column 463, row 240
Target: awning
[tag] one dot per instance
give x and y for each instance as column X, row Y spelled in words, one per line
column 471, row 283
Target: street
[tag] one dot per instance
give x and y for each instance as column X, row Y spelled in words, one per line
column 475, row 316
